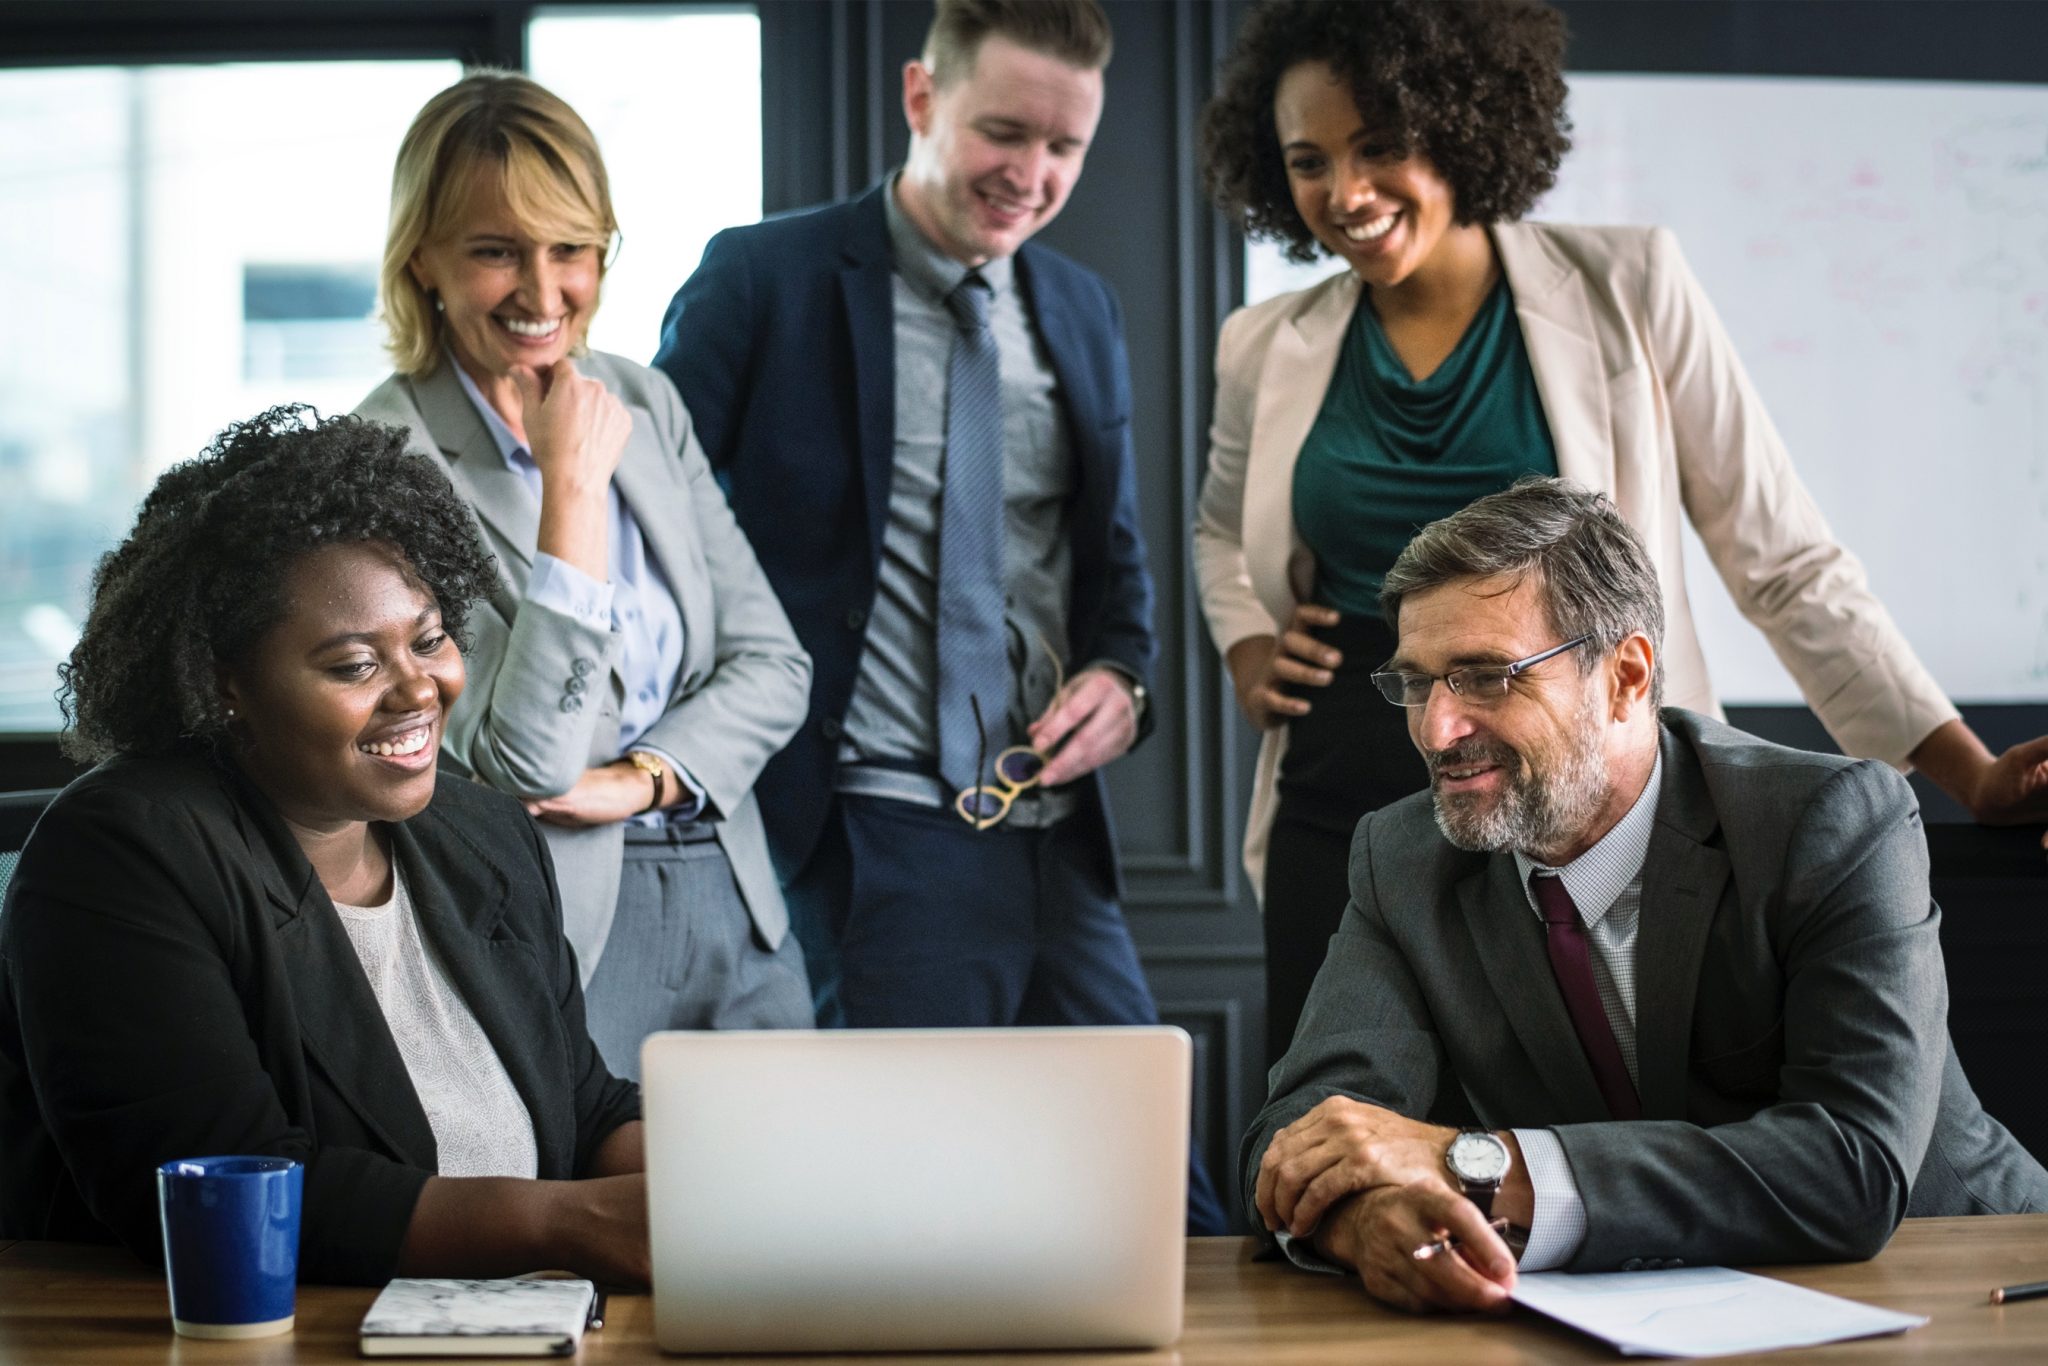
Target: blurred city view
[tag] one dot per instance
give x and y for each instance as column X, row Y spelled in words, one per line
column 196, row 243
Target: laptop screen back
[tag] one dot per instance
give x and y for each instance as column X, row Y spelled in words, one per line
column 860, row 1190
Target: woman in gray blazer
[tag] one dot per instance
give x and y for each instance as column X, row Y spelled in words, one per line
column 633, row 670
column 1461, row 350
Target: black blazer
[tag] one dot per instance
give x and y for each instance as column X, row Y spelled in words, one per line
column 174, row 983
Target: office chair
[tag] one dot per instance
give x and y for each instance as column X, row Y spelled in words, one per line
column 18, row 814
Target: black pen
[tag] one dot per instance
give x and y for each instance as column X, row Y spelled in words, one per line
column 2033, row 1290
column 596, row 1318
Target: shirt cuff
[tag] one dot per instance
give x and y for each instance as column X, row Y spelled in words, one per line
column 1302, row 1252
column 562, row 587
column 1558, row 1225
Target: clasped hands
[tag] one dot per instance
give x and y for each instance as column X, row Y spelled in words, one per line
column 1370, row 1186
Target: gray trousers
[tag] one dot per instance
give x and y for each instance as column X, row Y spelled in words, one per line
column 683, row 952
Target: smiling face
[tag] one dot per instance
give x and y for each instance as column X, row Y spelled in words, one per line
column 994, row 154
column 338, row 709
column 1380, row 208
column 508, row 296
column 1535, row 770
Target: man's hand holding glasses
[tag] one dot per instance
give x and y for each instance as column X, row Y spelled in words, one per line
column 1090, row 721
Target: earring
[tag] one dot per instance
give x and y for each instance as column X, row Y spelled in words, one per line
column 231, row 713
column 439, row 307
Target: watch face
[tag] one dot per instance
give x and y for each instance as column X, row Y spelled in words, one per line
column 1478, row 1157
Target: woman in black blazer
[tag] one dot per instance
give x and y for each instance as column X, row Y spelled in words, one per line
column 265, row 924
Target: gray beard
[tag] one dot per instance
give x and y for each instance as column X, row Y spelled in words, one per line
column 1534, row 812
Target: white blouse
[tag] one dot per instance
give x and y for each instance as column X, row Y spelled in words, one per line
column 481, row 1127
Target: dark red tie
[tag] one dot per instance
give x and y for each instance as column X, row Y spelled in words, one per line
column 1571, row 961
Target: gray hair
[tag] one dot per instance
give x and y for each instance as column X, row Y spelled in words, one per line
column 1593, row 573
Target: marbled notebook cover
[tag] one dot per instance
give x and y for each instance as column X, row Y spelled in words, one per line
column 502, row 1308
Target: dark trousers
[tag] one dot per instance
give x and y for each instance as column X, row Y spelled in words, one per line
column 932, row 923
column 1350, row 755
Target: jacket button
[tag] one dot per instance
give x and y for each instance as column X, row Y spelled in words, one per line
column 831, row 728
column 575, row 685
column 855, row 619
column 1632, row 1264
column 572, row 704
column 581, row 667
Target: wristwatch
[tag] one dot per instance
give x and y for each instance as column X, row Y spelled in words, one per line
column 654, row 769
column 1478, row 1162
column 1140, row 695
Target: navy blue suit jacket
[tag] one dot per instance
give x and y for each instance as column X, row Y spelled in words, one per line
column 783, row 345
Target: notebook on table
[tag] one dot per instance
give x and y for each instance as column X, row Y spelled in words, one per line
column 889, row 1190
column 469, row 1318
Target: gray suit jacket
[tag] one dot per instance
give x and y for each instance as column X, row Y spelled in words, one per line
column 1800, row 1094
column 543, row 698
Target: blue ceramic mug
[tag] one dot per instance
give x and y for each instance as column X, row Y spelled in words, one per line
column 231, row 1243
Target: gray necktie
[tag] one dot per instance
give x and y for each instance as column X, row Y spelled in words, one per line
column 974, row 657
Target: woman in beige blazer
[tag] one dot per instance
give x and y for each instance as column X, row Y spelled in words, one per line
column 1464, row 347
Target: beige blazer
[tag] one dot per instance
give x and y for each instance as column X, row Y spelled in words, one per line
column 544, row 690
column 1647, row 402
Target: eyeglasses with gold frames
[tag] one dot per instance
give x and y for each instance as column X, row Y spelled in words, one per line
column 1017, row 769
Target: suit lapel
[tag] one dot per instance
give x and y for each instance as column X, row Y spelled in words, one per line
column 1683, row 879
column 331, row 997
column 501, row 498
column 1293, row 381
column 1517, row 965
column 864, row 282
column 1564, row 353
column 1067, row 349
column 460, row 896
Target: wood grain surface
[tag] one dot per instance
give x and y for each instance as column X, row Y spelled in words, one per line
column 68, row 1305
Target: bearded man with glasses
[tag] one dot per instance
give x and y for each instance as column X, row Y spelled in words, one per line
column 1626, row 988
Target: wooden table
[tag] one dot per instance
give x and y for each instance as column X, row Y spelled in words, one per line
column 68, row 1305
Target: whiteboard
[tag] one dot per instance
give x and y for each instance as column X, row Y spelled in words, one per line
column 1878, row 251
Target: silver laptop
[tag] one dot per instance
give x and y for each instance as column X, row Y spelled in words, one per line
column 868, row 1190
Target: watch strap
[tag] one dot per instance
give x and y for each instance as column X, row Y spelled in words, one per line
column 655, row 770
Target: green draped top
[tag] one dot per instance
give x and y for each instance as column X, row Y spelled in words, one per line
column 1390, row 453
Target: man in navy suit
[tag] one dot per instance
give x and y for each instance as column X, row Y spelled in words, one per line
column 814, row 354
column 874, row 380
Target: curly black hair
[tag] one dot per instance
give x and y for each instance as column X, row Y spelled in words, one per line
column 1477, row 86
column 200, row 580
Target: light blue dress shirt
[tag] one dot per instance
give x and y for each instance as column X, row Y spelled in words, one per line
column 637, row 604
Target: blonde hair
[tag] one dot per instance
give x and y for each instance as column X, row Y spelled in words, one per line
column 490, row 123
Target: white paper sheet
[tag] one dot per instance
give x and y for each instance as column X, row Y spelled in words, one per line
column 1701, row 1311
